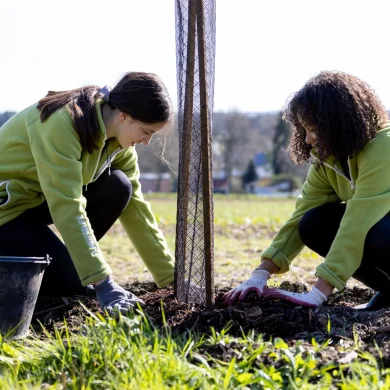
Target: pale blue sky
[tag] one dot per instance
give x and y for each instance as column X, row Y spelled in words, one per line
column 265, row 49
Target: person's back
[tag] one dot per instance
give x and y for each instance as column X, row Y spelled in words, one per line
column 16, row 163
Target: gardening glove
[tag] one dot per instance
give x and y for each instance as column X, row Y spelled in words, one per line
column 114, row 298
column 255, row 283
column 313, row 298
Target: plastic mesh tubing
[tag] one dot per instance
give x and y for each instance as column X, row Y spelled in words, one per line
column 194, row 42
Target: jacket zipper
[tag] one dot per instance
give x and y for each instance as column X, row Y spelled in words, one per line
column 353, row 187
column 6, row 190
column 97, row 164
column 106, row 163
column 341, row 173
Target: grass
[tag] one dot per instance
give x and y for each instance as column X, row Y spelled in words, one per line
column 245, row 219
column 130, row 353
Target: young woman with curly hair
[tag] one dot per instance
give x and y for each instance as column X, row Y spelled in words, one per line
column 343, row 212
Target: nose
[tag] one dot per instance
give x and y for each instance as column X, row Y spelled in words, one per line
column 309, row 138
column 146, row 139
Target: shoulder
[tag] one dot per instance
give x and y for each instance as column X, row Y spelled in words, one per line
column 58, row 125
column 379, row 147
column 317, row 174
column 55, row 135
column 59, row 118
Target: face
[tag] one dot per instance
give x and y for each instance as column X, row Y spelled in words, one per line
column 311, row 136
column 130, row 132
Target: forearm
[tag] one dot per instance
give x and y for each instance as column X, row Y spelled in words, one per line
column 325, row 287
column 269, row 266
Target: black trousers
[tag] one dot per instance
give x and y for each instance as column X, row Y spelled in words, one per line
column 29, row 234
column 318, row 228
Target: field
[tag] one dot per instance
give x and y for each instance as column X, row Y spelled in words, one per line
column 238, row 219
column 253, row 345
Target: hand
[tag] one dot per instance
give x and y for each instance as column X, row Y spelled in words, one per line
column 313, row 298
column 114, row 298
column 255, row 283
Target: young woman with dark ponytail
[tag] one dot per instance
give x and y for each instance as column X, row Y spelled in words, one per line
column 70, row 161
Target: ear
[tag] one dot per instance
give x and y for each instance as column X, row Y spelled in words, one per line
column 122, row 116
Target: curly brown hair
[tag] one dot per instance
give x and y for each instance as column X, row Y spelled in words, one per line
column 343, row 110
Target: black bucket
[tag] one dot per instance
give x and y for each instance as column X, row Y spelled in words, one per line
column 20, row 281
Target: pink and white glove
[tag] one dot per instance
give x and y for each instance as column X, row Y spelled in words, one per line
column 313, row 298
column 255, row 283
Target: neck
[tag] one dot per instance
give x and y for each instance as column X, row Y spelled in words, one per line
column 107, row 114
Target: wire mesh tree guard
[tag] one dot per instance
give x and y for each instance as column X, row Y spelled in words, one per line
column 195, row 60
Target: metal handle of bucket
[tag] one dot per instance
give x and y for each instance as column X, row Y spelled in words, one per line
column 19, row 259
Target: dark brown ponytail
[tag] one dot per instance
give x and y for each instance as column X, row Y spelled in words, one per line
column 141, row 95
column 81, row 107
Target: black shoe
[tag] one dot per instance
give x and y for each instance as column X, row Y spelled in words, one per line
column 90, row 291
column 377, row 302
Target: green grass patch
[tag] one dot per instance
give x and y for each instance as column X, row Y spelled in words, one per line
column 244, row 225
column 130, row 353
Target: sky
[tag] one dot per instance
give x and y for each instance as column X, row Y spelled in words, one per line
column 265, row 50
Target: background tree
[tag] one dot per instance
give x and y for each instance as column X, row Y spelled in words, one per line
column 231, row 134
column 161, row 156
column 5, row 116
column 250, row 175
column 281, row 137
column 237, row 137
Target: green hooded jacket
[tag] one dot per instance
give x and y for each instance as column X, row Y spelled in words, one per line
column 367, row 198
column 45, row 162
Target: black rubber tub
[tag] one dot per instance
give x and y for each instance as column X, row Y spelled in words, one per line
column 20, row 281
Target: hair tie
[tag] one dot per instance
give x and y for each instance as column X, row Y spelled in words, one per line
column 105, row 92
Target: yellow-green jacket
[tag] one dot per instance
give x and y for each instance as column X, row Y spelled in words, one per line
column 45, row 162
column 367, row 198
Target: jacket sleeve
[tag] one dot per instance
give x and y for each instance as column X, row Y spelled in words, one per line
column 56, row 149
column 141, row 225
column 287, row 243
column 370, row 203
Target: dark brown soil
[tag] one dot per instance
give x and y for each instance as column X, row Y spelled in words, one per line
column 336, row 320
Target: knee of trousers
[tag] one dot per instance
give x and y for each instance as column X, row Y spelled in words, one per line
column 320, row 223
column 308, row 226
column 377, row 240
column 119, row 185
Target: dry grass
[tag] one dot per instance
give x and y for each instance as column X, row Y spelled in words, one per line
column 244, row 227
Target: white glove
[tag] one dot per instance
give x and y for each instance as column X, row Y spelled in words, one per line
column 255, row 283
column 313, row 298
